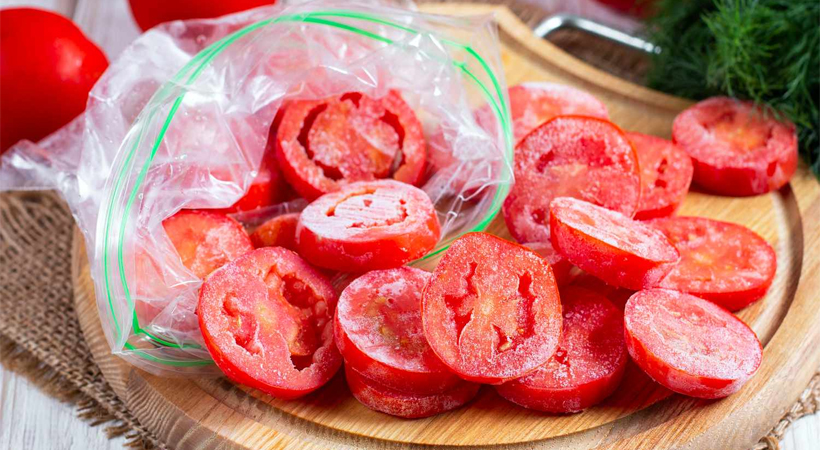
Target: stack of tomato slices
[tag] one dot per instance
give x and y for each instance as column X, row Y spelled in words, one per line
column 603, row 270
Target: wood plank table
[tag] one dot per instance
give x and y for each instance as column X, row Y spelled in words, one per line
column 30, row 418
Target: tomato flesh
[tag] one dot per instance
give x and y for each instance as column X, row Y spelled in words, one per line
column 570, row 156
column 368, row 225
column 408, row 406
column 690, row 345
column 588, row 365
column 491, row 310
column 279, row 231
column 267, row 322
column 618, row 296
column 723, row 262
column 618, row 250
column 561, row 268
column 737, row 149
column 322, row 145
column 666, row 173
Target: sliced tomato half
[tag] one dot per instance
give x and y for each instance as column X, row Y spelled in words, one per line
column 561, row 268
column 279, row 231
column 666, row 173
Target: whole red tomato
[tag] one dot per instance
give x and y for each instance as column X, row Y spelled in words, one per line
column 149, row 13
column 47, row 67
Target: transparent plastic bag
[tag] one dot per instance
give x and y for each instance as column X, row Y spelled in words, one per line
column 150, row 147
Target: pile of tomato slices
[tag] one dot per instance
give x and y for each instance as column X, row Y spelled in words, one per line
column 603, row 270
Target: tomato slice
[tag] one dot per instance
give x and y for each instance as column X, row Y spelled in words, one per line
column 723, row 262
column 666, row 173
column 570, row 156
column 618, row 250
column 368, row 225
column 408, row 406
column 378, row 330
column 737, row 149
column 491, row 311
column 690, row 345
column 266, row 319
column 617, row 295
column 588, row 365
column 561, row 268
column 325, row 144
column 279, row 231
column 205, row 240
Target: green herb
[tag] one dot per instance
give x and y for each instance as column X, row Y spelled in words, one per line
column 767, row 51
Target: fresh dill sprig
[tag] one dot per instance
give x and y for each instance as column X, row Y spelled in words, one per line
column 767, row 51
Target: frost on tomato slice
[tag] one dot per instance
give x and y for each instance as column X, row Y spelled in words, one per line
column 279, row 231
column 737, row 148
column 491, row 310
column 409, row 406
column 690, row 345
column 322, row 145
column 617, row 295
column 666, row 173
column 723, row 262
column 561, row 268
column 570, row 156
column 368, row 225
column 205, row 240
column 267, row 320
column 618, row 250
column 588, row 365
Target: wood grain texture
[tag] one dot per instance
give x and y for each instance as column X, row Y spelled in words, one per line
column 215, row 413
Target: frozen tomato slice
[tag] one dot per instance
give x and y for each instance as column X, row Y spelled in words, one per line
column 279, row 231
column 205, row 240
column 618, row 296
column 368, row 225
column 491, row 310
column 561, row 268
column 378, row 330
column 688, row 344
column 534, row 103
column 666, row 173
column 618, row 250
column 322, row 145
column 723, row 262
column 737, row 148
column 267, row 320
column 409, row 406
column 588, row 365
column 570, row 156
column 267, row 188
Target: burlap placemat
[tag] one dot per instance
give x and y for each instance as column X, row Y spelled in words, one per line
column 40, row 335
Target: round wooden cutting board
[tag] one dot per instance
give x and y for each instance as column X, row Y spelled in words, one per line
column 214, row 413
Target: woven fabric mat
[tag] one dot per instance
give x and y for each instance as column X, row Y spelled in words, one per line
column 40, row 335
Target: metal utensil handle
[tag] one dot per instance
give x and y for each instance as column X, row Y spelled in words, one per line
column 561, row 21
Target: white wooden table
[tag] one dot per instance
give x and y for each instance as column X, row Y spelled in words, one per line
column 33, row 420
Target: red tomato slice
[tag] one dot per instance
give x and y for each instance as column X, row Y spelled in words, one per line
column 618, row 296
column 618, row 250
column 277, row 232
column 666, row 173
column 408, row 406
column 570, row 156
column 561, row 268
column 723, row 262
column 378, row 330
column 325, row 144
column 737, row 149
column 689, row 344
column 491, row 311
column 368, row 225
column 588, row 365
column 206, row 240
column 267, row 321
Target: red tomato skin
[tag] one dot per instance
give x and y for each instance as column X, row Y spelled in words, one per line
column 407, row 406
column 706, row 384
column 279, row 231
column 337, row 246
column 666, row 173
column 150, row 13
column 595, row 325
column 386, row 369
column 561, row 268
column 273, row 372
column 618, row 296
column 48, row 66
column 482, row 359
column 722, row 168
